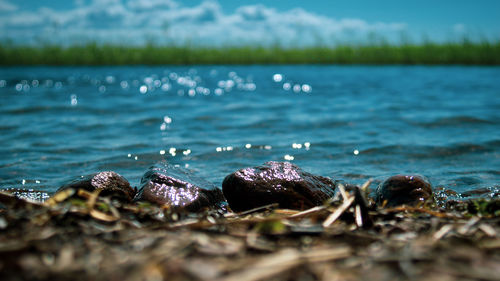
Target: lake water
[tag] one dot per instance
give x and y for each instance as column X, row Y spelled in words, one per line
column 346, row 122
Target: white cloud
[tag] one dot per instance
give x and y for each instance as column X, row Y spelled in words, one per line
column 5, row 6
column 166, row 21
column 206, row 12
column 255, row 13
column 150, row 5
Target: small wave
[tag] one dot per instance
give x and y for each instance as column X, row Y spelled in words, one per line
column 419, row 151
column 473, row 172
column 467, row 181
column 493, row 143
column 34, row 109
column 328, row 124
column 206, row 118
column 455, row 121
column 7, row 128
column 58, row 109
column 486, row 192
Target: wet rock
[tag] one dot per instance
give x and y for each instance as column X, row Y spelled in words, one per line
column 404, row 190
column 165, row 184
column 111, row 184
column 276, row 182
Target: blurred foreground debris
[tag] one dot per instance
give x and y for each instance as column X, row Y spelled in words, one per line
column 80, row 235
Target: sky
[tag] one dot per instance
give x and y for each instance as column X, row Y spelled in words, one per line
column 235, row 22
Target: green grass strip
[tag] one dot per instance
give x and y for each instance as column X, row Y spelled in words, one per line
column 463, row 53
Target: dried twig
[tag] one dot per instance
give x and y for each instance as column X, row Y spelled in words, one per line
column 488, row 229
column 58, row 240
column 308, row 211
column 254, row 210
column 442, row 232
column 338, row 212
column 344, row 194
column 60, row 197
column 420, row 210
column 466, row 227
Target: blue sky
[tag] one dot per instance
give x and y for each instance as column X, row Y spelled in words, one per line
column 233, row 22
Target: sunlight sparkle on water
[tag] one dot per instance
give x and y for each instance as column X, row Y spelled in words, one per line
column 297, row 88
column 226, row 148
column 146, row 97
column 218, row 91
column 165, row 87
column 173, row 76
column 124, row 84
column 110, row 79
column 306, row 88
column 74, row 100
column 277, row 77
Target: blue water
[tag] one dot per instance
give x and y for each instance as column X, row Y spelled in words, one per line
column 347, row 122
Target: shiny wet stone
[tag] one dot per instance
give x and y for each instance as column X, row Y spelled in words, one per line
column 404, row 190
column 110, row 183
column 276, row 182
column 165, row 184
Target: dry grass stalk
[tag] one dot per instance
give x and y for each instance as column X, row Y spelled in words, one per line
column 463, row 230
column 443, row 231
column 308, row 212
column 338, row 212
column 284, row 260
column 100, row 239
column 420, row 210
column 254, row 210
column 488, row 229
column 343, row 192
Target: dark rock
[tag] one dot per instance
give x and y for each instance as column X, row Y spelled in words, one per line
column 276, row 182
column 111, row 184
column 404, row 190
column 165, row 184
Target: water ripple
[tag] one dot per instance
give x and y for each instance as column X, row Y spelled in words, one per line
column 358, row 122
